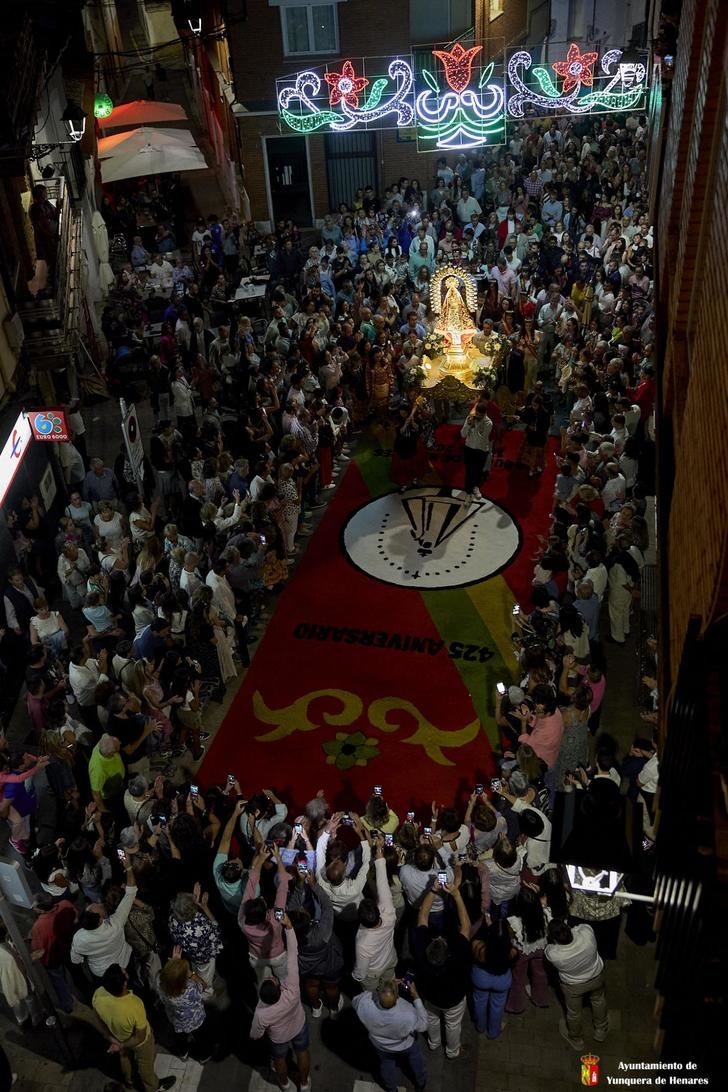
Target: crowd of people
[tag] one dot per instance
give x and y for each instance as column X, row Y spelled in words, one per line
column 136, row 609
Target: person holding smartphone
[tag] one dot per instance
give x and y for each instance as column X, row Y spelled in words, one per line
column 393, row 1023
column 100, row 940
column 263, row 931
column 376, row 956
column 280, row 1015
column 442, row 963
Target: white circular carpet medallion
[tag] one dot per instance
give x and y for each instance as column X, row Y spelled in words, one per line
column 429, row 538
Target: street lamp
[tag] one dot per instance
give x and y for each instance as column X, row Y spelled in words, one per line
column 74, row 118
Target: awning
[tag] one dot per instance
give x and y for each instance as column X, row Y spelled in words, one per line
column 133, row 140
column 142, row 112
column 150, row 160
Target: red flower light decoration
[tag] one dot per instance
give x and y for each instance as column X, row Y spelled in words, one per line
column 576, row 69
column 458, row 64
column 345, row 85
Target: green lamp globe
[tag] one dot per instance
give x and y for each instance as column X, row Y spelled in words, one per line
column 102, row 105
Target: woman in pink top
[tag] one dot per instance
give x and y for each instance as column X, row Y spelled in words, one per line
column 262, row 931
column 546, row 726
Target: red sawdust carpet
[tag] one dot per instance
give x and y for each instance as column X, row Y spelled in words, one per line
column 358, row 682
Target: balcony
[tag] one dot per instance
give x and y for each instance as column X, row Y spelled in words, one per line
column 51, row 323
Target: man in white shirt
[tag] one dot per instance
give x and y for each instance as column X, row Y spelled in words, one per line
column 100, row 939
column 190, row 579
column 573, row 953
column 476, row 433
column 345, row 891
column 418, row 878
column 84, row 675
column 466, row 206
column 597, row 574
column 615, row 489
column 161, row 274
column 422, row 237
column 376, row 956
column 223, row 597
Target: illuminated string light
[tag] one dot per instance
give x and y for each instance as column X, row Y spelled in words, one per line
column 460, row 118
column 458, row 65
column 465, row 113
column 576, row 69
column 345, row 85
column 625, row 89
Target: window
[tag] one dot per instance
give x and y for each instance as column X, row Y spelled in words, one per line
column 310, row 28
column 496, row 9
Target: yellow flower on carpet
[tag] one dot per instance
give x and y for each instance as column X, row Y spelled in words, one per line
column 348, row 750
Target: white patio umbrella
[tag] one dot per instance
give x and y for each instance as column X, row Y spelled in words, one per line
column 142, row 112
column 150, row 160
column 133, row 140
column 101, row 242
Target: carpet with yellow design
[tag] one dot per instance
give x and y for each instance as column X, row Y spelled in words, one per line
column 380, row 662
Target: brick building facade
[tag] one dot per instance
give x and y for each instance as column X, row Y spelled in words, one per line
column 376, row 28
column 689, row 192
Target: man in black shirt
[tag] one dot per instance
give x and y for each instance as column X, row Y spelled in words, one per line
column 131, row 728
column 443, row 970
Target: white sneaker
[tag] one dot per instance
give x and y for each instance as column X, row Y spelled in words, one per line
column 317, row 1012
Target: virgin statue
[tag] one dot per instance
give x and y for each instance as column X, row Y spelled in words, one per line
column 455, row 321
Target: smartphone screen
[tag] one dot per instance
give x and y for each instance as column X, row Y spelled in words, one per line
column 410, row 817
column 279, row 914
column 121, row 855
column 501, row 688
column 377, row 790
column 298, row 828
column 194, row 790
column 442, row 877
column 495, row 783
column 427, row 830
column 389, row 839
column 479, row 789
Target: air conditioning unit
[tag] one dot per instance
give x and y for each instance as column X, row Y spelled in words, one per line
column 14, row 331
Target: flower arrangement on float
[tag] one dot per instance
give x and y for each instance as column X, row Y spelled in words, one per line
column 434, row 345
column 484, row 372
column 415, row 373
column 493, row 349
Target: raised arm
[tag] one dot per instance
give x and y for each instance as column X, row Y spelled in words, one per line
column 227, row 834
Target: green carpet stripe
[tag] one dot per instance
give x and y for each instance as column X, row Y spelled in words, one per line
column 457, row 619
column 493, row 600
column 374, row 469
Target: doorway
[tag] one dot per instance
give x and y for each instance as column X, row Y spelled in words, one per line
column 351, row 164
column 288, row 179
